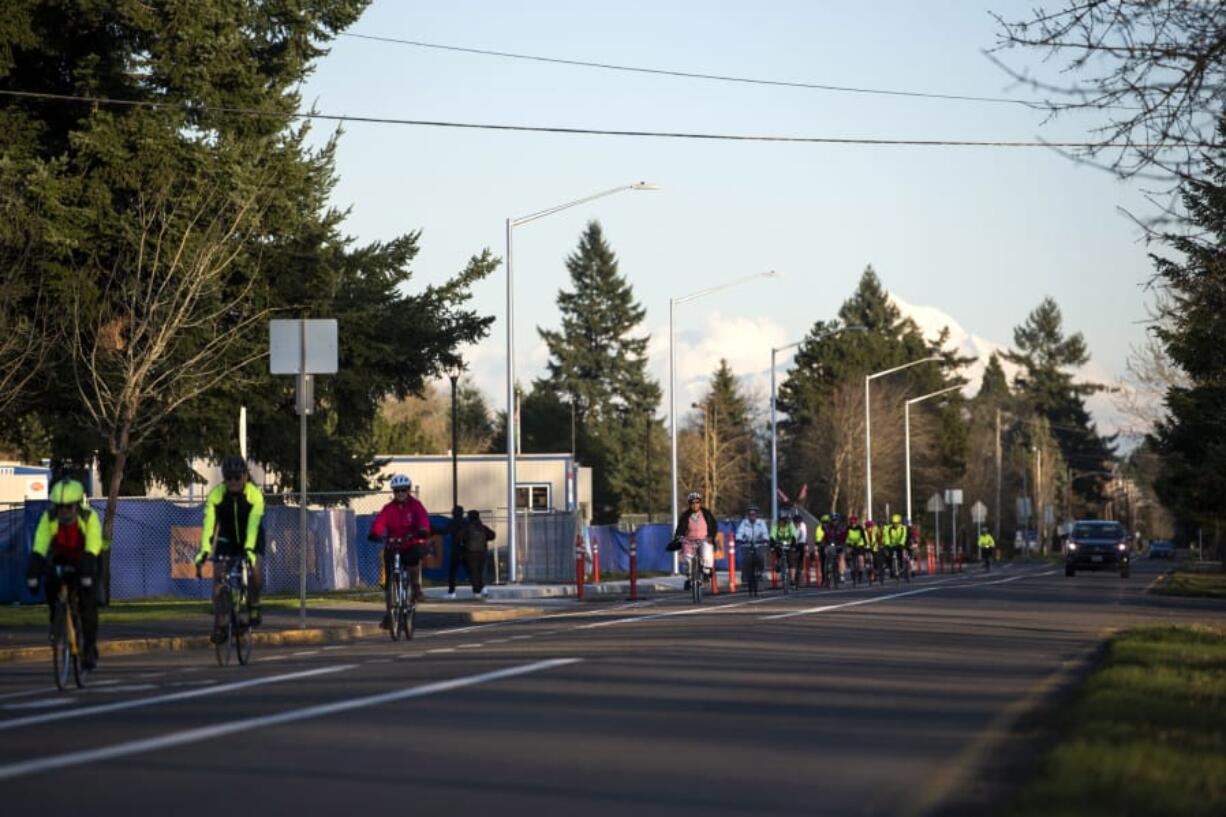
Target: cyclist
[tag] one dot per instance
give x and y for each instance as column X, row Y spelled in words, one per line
column 873, row 535
column 857, row 542
column 821, row 542
column 802, row 539
column 69, row 533
column 836, row 535
column 783, row 542
column 753, row 534
column 233, row 511
column 696, row 529
column 403, row 526
column 987, row 543
column 895, row 537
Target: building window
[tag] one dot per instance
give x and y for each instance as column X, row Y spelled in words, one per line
column 535, row 497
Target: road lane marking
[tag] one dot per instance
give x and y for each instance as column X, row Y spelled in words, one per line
column 122, row 688
column 45, row 703
column 301, row 653
column 441, row 649
column 470, row 646
column 874, row 599
column 26, row 693
column 189, row 736
column 119, row 706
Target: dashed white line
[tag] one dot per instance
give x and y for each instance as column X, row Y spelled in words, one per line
column 26, row 693
column 173, row 696
column 470, row 646
column 247, row 724
column 441, row 649
column 46, row 703
column 301, row 653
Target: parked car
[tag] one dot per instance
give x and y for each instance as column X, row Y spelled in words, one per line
column 1161, row 549
column 1096, row 544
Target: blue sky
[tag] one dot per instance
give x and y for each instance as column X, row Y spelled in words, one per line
column 982, row 234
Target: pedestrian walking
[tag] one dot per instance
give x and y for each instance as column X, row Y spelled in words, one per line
column 455, row 529
column 476, row 540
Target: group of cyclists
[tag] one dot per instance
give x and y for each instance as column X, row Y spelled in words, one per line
column 69, row 535
column 844, row 548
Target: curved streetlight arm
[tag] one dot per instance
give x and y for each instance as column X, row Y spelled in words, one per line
column 907, row 434
column 876, row 375
column 515, row 222
column 868, row 434
column 693, row 296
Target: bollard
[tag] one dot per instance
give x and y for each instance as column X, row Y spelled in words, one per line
column 731, row 563
column 595, row 561
column 634, row 569
column 579, row 568
column 714, row 574
column 817, row 567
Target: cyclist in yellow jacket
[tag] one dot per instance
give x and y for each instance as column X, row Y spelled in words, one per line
column 894, row 537
column 232, row 515
column 69, row 534
column 987, row 544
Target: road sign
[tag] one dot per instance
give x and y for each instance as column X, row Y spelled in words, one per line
column 935, row 505
column 979, row 512
column 288, row 339
column 953, row 496
column 1023, row 508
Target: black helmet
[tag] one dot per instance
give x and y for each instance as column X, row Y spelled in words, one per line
column 233, row 466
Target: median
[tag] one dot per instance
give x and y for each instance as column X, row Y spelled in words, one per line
column 1146, row 734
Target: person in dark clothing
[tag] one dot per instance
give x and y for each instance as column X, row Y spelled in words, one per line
column 455, row 528
column 475, row 539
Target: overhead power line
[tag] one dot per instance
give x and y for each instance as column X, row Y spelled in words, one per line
column 432, row 123
column 665, row 72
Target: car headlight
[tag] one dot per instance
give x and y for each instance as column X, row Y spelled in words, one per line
column 1072, row 545
column 1122, row 546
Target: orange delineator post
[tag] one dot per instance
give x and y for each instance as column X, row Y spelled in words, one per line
column 714, row 576
column 634, row 569
column 595, row 561
column 731, row 563
column 579, row 567
column 817, row 566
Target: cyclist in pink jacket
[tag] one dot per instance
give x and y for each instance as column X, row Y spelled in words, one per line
column 402, row 525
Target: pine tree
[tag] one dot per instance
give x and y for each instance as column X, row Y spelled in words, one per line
column 599, row 362
column 1046, row 387
column 721, row 456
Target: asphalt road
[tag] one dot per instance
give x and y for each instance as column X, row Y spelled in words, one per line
column 873, row 701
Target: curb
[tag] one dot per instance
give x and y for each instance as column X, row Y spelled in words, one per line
column 278, row 638
column 1005, row 749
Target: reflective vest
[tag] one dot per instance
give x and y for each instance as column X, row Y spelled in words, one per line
column 986, row 541
column 895, row 535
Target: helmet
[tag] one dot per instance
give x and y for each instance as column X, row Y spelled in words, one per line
column 752, row 509
column 853, row 519
column 693, row 496
column 67, row 492
column 834, row 516
column 870, row 523
column 233, row 466
column 401, row 481
column 826, row 517
column 896, row 518
column 796, row 513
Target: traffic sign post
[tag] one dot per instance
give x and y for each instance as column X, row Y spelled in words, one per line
column 304, row 348
column 953, row 498
column 979, row 515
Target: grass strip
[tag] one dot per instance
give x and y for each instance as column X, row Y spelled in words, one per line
column 1146, row 735
column 1187, row 583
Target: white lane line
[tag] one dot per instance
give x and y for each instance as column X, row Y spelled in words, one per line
column 188, row 736
column 410, row 655
column 45, row 703
column 273, row 658
column 119, row 706
column 470, row 646
column 301, row 653
column 518, row 637
column 335, row 647
column 441, row 649
column 688, row 611
column 874, row 599
column 498, row 641
column 26, row 693
column 203, row 682
column 107, row 683
column 121, row 688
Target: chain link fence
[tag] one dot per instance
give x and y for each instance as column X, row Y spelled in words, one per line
column 155, row 542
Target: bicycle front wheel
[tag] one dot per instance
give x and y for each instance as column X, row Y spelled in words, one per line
column 240, row 626
column 696, row 578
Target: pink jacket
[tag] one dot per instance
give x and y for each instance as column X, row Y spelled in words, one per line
column 402, row 522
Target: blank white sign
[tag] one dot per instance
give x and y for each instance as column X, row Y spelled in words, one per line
column 285, row 346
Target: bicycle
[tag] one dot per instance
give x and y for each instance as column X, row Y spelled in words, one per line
column 857, row 566
column 67, row 652
column 900, row 565
column 236, row 608
column 404, row 607
column 782, row 552
column 755, row 568
column 832, row 577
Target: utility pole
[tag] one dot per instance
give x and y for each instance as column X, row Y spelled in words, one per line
column 998, row 458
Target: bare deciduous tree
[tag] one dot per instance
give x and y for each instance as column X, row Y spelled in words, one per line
column 170, row 320
column 1155, row 70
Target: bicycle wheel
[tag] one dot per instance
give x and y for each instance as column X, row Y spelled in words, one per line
column 61, row 655
column 240, row 625
column 397, row 610
column 408, row 621
column 786, row 564
column 751, row 575
column 74, row 646
column 224, row 649
column 696, row 577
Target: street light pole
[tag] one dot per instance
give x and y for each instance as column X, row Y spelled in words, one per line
column 868, row 436
column 672, row 376
column 774, row 420
column 907, row 436
column 455, row 442
column 511, row 430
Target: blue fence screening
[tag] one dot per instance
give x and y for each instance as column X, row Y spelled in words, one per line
column 651, row 544
column 155, row 542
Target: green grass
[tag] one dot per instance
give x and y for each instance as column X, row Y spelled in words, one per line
column 164, row 609
column 1146, row 735
column 1183, row 583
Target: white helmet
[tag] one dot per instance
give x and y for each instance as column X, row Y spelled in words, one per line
column 401, row 481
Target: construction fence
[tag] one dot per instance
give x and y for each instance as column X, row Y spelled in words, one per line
column 155, row 542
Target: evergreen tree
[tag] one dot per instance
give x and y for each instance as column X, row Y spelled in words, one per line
column 822, row 434
column 995, row 386
column 722, row 456
column 1192, row 439
column 1047, row 389
column 599, row 363
column 172, row 230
